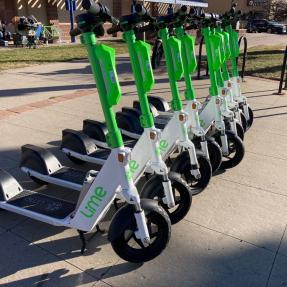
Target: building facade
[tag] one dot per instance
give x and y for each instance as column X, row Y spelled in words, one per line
column 53, row 11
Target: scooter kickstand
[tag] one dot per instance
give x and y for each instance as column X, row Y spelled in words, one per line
column 84, row 242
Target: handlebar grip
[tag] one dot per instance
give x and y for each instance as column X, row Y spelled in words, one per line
column 91, row 7
column 75, row 32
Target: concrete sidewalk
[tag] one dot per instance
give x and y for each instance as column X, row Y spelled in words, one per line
column 233, row 236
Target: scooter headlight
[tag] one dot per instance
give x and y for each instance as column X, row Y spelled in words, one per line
column 182, row 117
column 153, row 135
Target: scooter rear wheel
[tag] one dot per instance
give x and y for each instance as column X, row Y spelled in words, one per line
column 153, row 189
column 182, row 166
column 236, row 151
column 128, row 246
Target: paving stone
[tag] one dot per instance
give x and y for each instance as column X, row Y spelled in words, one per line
column 198, row 257
column 66, row 244
column 243, row 212
column 248, row 173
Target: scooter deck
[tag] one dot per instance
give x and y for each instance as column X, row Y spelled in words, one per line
column 42, row 204
column 70, row 175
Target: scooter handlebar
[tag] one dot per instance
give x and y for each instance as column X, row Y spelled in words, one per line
column 92, row 7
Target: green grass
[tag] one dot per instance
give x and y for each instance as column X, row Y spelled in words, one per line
column 23, row 57
column 264, row 62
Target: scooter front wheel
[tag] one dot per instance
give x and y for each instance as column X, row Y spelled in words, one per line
column 153, row 189
column 215, row 154
column 123, row 238
column 183, row 166
column 236, row 151
column 243, row 121
column 251, row 118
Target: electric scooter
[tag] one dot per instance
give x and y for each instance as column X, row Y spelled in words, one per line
column 140, row 230
column 235, row 78
column 197, row 134
column 145, row 154
column 196, row 171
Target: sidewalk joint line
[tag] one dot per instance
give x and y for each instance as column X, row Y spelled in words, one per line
column 266, row 155
column 229, row 235
column 255, row 187
column 275, row 257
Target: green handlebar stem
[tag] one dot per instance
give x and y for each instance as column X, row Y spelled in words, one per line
column 234, row 48
column 102, row 76
column 206, row 32
column 176, row 103
column 146, row 119
column 190, row 92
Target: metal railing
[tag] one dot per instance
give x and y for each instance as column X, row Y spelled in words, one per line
column 242, row 73
column 283, row 72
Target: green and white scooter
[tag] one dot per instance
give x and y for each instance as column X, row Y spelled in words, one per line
column 145, row 155
column 197, row 134
column 232, row 146
column 140, row 230
column 235, row 78
column 193, row 166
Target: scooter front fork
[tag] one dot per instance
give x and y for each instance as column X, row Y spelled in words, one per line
column 131, row 195
column 224, row 144
column 160, row 168
column 246, row 111
column 204, row 147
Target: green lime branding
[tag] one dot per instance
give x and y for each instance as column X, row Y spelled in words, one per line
column 133, row 166
column 94, row 202
column 163, row 145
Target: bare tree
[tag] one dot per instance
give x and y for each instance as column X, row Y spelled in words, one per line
column 278, row 10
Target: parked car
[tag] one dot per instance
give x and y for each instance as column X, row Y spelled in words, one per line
column 262, row 25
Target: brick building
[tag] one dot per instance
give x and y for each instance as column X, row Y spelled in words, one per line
column 53, row 11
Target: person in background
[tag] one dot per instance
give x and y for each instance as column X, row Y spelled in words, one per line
column 2, row 30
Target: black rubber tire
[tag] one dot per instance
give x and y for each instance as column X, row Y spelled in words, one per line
column 236, row 145
column 240, row 131
column 75, row 160
column 183, row 202
column 251, row 118
column 243, row 121
column 157, row 54
column 143, row 254
column 215, row 154
column 239, row 128
column 182, row 166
